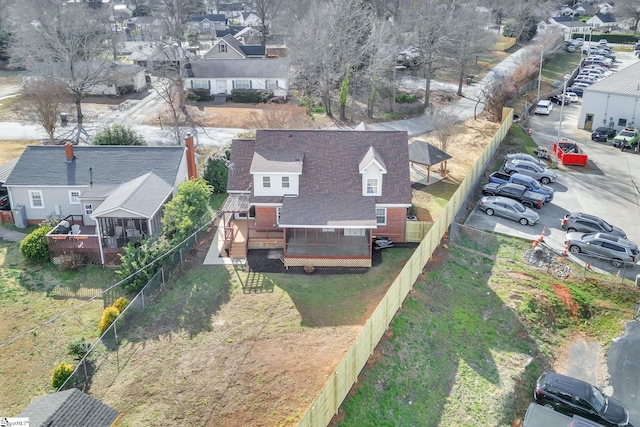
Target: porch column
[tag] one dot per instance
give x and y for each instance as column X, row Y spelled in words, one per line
column 100, row 241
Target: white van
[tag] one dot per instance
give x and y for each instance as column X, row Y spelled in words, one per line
column 544, row 107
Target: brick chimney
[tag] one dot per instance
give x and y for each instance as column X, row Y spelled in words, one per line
column 192, row 168
column 68, row 149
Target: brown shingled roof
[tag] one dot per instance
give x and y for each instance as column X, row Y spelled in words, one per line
column 330, row 170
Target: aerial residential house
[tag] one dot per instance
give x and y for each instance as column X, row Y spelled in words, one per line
column 604, row 8
column 248, row 36
column 222, row 76
column 602, row 20
column 68, row 408
column 613, row 101
column 320, row 195
column 249, row 19
column 230, row 10
column 209, row 24
column 228, row 47
column 103, row 196
column 570, row 24
column 160, row 57
column 144, row 23
column 576, row 10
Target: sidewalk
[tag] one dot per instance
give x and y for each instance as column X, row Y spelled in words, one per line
column 11, row 235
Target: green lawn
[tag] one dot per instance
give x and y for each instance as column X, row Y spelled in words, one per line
column 473, row 337
column 36, row 326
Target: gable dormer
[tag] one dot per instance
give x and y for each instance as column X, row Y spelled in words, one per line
column 276, row 173
column 372, row 169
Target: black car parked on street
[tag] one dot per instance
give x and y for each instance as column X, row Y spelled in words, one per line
column 572, row 396
column 603, row 133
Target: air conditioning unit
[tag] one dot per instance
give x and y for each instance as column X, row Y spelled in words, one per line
column 638, row 280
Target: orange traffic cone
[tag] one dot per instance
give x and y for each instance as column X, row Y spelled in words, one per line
column 534, row 244
column 588, row 266
column 529, row 131
column 541, row 239
column 564, row 252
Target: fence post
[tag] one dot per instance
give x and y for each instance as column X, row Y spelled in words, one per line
column 180, row 250
column 162, row 270
column 142, row 297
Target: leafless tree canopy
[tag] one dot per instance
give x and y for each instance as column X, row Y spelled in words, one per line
column 275, row 116
column 444, row 134
column 629, row 9
column 45, row 101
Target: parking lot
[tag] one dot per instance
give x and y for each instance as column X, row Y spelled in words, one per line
column 607, row 186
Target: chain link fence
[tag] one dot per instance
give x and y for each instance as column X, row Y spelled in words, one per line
column 107, row 353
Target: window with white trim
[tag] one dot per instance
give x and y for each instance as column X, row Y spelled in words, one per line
column 201, row 84
column 271, row 84
column 74, row 197
column 381, row 216
column 278, row 213
column 285, row 182
column 243, row 84
column 222, row 47
column 266, row 182
column 35, row 196
column 372, row 186
column 88, row 209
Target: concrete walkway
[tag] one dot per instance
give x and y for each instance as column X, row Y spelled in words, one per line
column 11, row 235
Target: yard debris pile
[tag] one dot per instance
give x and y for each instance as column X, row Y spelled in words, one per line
column 547, row 258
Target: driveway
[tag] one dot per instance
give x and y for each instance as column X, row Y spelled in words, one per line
column 607, row 187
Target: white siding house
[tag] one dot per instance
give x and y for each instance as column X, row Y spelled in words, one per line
column 613, row 101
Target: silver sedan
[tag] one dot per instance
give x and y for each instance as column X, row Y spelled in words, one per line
column 508, row 208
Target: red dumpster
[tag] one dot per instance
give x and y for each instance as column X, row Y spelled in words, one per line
column 569, row 153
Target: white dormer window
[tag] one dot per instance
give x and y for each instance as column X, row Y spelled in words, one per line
column 222, row 47
column 372, row 186
column 285, row 182
column 266, row 182
column 74, row 197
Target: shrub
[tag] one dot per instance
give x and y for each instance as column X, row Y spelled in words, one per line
column 117, row 135
column 319, row 110
column 121, row 303
column 216, row 171
column 405, row 98
column 108, row 316
column 78, row 348
column 61, row 372
column 192, row 96
column 134, row 257
column 183, row 213
column 70, row 262
column 252, row 96
column 34, row 246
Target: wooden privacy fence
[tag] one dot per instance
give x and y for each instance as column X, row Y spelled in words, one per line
column 504, row 43
column 346, row 374
column 416, row 230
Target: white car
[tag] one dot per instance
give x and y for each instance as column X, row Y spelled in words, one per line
column 573, row 96
column 544, row 107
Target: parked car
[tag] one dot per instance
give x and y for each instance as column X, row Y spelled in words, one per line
column 585, row 223
column 577, row 89
column 4, row 203
column 572, row 396
column 571, row 48
column 626, row 138
column 558, row 99
column 609, row 246
column 541, row 416
column 572, row 96
column 527, row 157
column 603, row 134
column 543, row 175
column 517, row 178
column 515, row 191
column 508, row 208
column 543, row 107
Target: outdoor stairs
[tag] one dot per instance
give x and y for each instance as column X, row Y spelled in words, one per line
column 238, row 245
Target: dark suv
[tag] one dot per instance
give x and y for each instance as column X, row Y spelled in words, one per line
column 572, row 396
column 603, row 134
column 585, row 223
column 4, row 200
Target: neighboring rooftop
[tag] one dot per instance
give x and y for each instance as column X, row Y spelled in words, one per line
column 624, row 82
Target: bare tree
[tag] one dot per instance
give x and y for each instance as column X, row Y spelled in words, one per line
column 468, row 40
column 68, row 45
column 45, row 101
column 179, row 121
column 266, row 10
column 629, row 9
column 274, row 116
column 382, row 51
column 522, row 25
column 5, row 6
column 444, row 133
column 496, row 94
column 431, row 29
column 296, row 10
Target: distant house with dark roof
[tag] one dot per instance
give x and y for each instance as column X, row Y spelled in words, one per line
column 602, row 20
column 321, row 195
column 112, row 194
column 570, row 24
column 250, row 19
column 230, row 10
column 68, row 408
column 209, row 23
column 228, row 47
column 154, row 57
column 612, row 101
column 222, row 76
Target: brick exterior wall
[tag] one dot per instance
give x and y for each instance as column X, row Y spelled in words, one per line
column 396, row 224
column 266, row 217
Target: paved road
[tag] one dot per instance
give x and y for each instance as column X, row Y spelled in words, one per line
column 623, row 361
